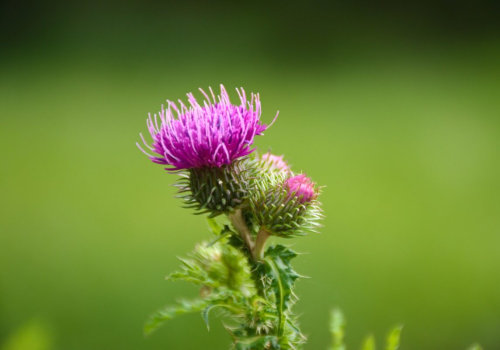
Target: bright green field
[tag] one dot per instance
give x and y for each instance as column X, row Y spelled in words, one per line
column 407, row 147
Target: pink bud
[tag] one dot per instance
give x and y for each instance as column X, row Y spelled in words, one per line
column 302, row 187
column 275, row 162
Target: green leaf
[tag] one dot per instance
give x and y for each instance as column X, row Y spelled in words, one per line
column 204, row 315
column 224, row 303
column 393, row 338
column 190, row 271
column 475, row 347
column 337, row 325
column 280, row 257
column 183, row 307
column 369, row 343
column 283, row 278
column 214, row 226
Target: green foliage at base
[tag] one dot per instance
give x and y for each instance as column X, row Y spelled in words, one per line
column 254, row 298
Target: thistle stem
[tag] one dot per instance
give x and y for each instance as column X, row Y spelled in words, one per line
column 239, row 224
column 260, row 243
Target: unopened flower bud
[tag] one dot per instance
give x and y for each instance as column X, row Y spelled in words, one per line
column 301, row 187
column 274, row 162
column 288, row 207
column 225, row 266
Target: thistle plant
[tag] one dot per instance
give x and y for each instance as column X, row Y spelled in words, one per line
column 247, row 197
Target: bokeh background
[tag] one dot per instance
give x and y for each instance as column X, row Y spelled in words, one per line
column 393, row 106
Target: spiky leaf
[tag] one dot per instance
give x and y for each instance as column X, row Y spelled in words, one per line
column 169, row 312
column 282, row 278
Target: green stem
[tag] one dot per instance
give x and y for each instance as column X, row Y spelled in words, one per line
column 239, row 224
column 260, row 243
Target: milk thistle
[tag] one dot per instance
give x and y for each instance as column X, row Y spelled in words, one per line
column 247, row 198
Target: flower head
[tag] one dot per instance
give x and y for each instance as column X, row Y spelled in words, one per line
column 275, row 162
column 286, row 205
column 301, row 187
column 211, row 134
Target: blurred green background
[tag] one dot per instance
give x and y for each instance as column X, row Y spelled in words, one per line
column 394, row 107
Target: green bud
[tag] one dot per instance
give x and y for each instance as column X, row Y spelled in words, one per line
column 283, row 211
column 225, row 266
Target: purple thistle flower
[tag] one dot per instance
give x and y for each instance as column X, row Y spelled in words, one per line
column 211, row 134
column 301, row 187
column 275, row 162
